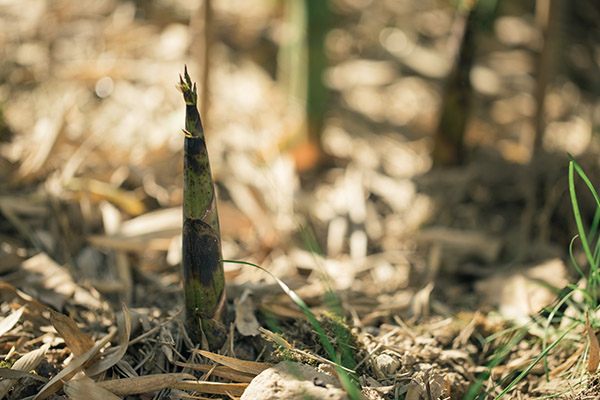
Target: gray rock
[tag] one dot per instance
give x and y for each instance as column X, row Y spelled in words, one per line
column 293, row 381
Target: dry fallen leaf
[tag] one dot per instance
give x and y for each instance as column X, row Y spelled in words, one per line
column 8, row 291
column 127, row 201
column 414, row 392
column 569, row 362
column 153, row 230
column 220, row 371
column 86, row 389
column 10, row 373
column 7, row 323
column 249, row 367
column 142, row 384
column 119, row 351
column 594, row 359
column 245, row 320
column 26, row 363
column 56, row 284
column 74, row 367
column 77, row 341
column 235, row 389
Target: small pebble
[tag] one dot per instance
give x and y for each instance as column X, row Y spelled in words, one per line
column 387, row 364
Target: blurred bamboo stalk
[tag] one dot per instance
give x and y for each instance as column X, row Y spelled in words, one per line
column 454, row 113
column 201, row 33
column 291, row 65
column 318, row 21
column 301, row 64
column 548, row 17
column 203, row 276
column 473, row 18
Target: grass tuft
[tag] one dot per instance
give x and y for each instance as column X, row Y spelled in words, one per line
column 555, row 324
column 348, row 382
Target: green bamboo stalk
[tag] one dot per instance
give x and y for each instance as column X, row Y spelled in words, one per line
column 203, row 276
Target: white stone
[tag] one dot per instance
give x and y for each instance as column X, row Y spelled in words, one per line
column 293, row 381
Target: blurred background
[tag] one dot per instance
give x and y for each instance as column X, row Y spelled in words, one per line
column 411, row 152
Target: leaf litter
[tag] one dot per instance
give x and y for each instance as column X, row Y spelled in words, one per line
column 89, row 261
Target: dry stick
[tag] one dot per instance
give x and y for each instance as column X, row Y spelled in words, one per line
column 156, row 328
column 203, row 276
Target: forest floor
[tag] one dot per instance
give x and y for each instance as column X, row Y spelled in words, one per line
column 441, row 274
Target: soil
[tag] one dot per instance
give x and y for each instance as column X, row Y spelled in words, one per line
column 430, row 282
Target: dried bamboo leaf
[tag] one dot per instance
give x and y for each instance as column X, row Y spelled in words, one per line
column 118, row 353
column 32, row 359
column 124, row 274
column 9, row 373
column 77, row 341
column 220, row 371
column 58, row 285
column 9, row 322
column 160, row 223
column 569, row 362
column 153, row 230
column 86, row 389
column 26, row 363
column 245, row 320
column 142, row 384
column 46, row 133
column 594, row 358
column 135, row 244
column 235, row 389
column 277, row 339
column 16, row 293
column 75, row 366
column 127, row 201
column 167, row 339
column 249, row 367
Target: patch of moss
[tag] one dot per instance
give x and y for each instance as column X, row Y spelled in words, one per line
column 6, row 363
column 301, row 335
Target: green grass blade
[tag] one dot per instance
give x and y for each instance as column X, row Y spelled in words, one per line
column 577, row 213
column 575, row 264
column 332, row 299
column 592, row 258
column 350, row 387
column 556, row 309
column 587, row 181
column 579, row 223
column 543, row 354
column 474, row 391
